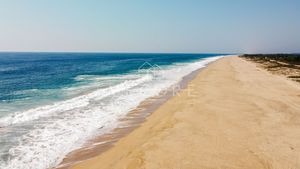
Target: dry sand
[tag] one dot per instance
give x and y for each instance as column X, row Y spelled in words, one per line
column 232, row 115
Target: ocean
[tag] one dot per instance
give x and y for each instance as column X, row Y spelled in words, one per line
column 52, row 103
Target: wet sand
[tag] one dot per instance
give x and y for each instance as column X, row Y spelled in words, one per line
column 232, row 115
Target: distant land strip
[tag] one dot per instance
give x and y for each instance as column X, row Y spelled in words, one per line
column 287, row 65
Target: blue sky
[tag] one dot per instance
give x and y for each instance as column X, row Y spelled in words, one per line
column 196, row 26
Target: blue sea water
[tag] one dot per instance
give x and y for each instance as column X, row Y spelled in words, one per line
column 27, row 79
column 50, row 101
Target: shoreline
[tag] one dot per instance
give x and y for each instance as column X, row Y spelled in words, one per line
column 238, row 117
column 134, row 118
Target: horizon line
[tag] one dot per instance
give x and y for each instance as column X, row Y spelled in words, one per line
column 116, row 52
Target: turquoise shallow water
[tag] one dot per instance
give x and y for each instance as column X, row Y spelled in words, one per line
column 50, row 101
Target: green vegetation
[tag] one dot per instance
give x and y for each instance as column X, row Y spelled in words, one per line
column 284, row 64
column 292, row 59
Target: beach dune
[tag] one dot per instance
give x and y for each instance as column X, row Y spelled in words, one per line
column 233, row 115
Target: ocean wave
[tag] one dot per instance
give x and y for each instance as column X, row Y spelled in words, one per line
column 8, row 69
column 80, row 101
column 98, row 77
column 25, row 92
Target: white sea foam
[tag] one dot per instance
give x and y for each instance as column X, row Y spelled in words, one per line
column 101, row 78
column 77, row 102
column 8, row 69
column 64, row 126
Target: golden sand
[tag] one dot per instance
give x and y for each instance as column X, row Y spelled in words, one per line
column 233, row 115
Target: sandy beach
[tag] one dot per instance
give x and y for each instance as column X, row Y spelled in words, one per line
column 233, row 115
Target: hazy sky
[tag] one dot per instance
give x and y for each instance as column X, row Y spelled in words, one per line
column 215, row 26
